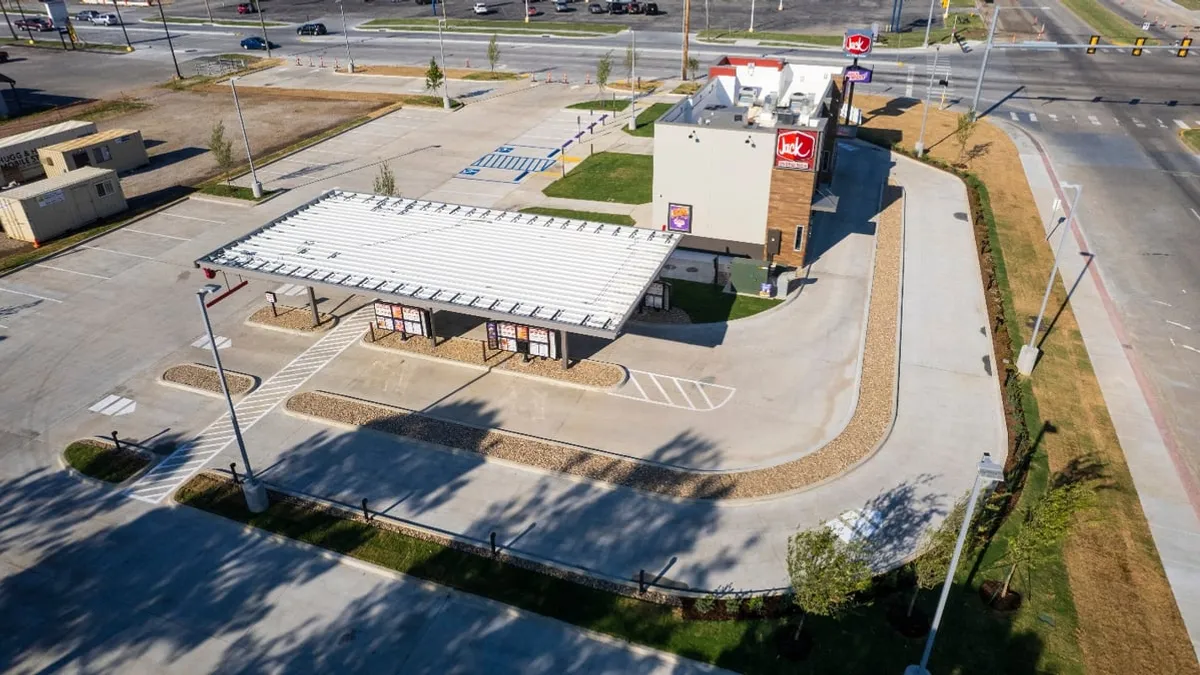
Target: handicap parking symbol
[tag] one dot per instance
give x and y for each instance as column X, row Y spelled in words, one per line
column 504, row 149
column 469, row 172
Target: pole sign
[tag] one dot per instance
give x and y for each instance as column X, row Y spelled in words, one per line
column 858, row 74
column 857, row 42
column 795, row 149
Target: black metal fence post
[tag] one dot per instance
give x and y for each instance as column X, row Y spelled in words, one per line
column 366, row 513
column 493, row 540
column 233, row 470
column 116, row 441
column 642, row 581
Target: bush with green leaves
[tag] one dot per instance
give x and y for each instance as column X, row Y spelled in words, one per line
column 825, row 572
column 732, row 604
column 936, row 550
column 705, row 604
column 755, row 604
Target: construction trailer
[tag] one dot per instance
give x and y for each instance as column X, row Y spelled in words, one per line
column 19, row 160
column 116, row 149
column 40, row 211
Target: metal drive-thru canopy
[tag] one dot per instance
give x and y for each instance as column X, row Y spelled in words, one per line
column 571, row 275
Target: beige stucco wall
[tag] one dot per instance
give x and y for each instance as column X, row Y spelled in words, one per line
column 29, row 220
column 129, row 154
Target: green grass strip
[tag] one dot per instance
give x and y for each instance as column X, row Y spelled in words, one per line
column 487, row 24
column 608, row 104
column 594, row 216
column 647, row 118
column 57, row 44
column 251, row 23
column 1191, row 138
column 789, row 38
column 1104, row 21
column 608, row 177
column 706, row 303
column 103, row 462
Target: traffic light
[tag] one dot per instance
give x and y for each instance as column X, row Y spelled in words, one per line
column 1183, row 47
column 1093, row 41
column 1137, row 49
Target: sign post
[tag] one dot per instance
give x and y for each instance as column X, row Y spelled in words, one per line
column 856, row 43
column 271, row 302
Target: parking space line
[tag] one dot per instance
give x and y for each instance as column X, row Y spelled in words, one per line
column 39, row 297
column 82, row 274
column 109, row 250
column 707, row 400
column 684, row 393
column 662, row 391
column 633, row 379
column 680, row 383
column 155, row 234
column 180, row 215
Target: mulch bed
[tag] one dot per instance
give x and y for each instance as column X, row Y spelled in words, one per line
column 204, row 378
column 291, row 318
column 989, row 593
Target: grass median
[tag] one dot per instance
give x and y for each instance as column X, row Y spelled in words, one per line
column 717, row 35
column 103, row 461
column 1106, row 22
column 488, row 25
column 1191, row 138
column 594, row 216
column 706, row 303
column 603, row 104
column 242, row 23
column 608, row 177
column 644, row 128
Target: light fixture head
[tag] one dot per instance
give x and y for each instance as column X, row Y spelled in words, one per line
column 209, row 288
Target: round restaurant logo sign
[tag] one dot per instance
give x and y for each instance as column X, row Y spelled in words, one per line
column 857, row 44
column 794, row 149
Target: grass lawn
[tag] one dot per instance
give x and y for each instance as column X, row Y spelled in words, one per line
column 608, row 177
column 1109, row 553
column 688, row 88
column 235, row 191
column 791, row 38
column 483, row 25
column 253, row 23
column 706, row 303
column 609, row 104
column 1191, row 138
column 971, row 640
column 969, row 27
column 647, row 118
column 103, row 461
column 1106, row 22
column 595, row 216
column 57, row 44
column 491, row 76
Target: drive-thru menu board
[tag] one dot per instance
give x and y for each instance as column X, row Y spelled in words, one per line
column 401, row 319
column 520, row 339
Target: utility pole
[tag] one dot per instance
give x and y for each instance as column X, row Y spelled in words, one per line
column 928, row 24
column 751, row 16
column 28, row 30
column 345, row 34
column 632, row 80
column 687, row 26
column 128, row 44
column 209, row 10
column 170, row 45
column 8, row 21
column 255, row 186
column 983, row 66
column 705, row 15
column 526, row 11
column 920, row 147
column 442, row 50
column 261, row 22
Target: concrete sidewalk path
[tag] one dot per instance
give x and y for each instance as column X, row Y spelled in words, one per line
column 91, row 582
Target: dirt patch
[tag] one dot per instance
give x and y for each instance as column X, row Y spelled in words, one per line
column 419, row 71
column 1110, row 554
column 204, row 378
column 291, row 318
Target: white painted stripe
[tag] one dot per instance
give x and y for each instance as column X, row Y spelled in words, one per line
column 660, row 388
column 109, row 250
column 684, row 393
column 117, row 406
column 104, row 403
column 82, row 274
column 1014, row 117
column 1094, row 120
column 1053, row 117
column 1181, row 124
column 203, row 220
column 1032, row 117
column 700, row 386
column 31, row 295
column 1138, row 123
column 154, row 234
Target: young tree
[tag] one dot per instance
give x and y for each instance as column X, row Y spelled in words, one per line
column 631, row 57
column 693, row 65
column 433, row 75
column 825, row 571
column 222, row 150
column 493, row 52
column 385, row 181
column 1045, row 524
column 962, row 133
column 603, row 70
column 937, row 549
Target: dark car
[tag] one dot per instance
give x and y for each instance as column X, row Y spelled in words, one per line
column 3, row 57
column 635, row 8
column 36, row 23
column 257, row 43
column 312, row 29
column 618, row 8
column 651, row 9
column 87, row 15
column 247, row 8
column 596, row 8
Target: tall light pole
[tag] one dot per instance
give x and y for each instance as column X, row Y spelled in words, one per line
column 28, row 30
column 987, row 472
column 687, row 26
column 920, row 147
column 928, row 24
column 706, row 16
column 632, row 80
column 253, row 490
column 780, row 5
column 526, row 11
column 983, row 66
column 442, row 51
column 346, row 34
column 261, row 22
column 1028, row 357
column 128, row 44
column 255, row 187
column 209, row 11
column 751, row 16
column 8, row 21
column 170, row 45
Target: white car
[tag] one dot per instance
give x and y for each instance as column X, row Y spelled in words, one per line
column 481, row 8
column 107, row 20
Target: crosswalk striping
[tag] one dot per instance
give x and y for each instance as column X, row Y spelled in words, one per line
column 113, row 405
column 496, row 160
column 1095, row 120
column 674, row 392
column 169, row 474
column 203, row 343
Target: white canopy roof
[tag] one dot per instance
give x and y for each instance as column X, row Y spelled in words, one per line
column 573, row 275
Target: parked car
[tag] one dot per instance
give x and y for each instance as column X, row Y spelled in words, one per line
column 107, row 20
column 533, row 11
column 312, row 29
column 618, row 8
column 87, row 15
column 3, row 57
column 561, row 6
column 247, row 8
column 596, row 8
column 257, row 43
column 651, row 9
column 481, row 8
column 36, row 23
column 635, row 8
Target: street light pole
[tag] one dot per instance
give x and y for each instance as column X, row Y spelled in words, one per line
column 255, row 187
column 261, row 22
column 928, row 24
column 128, row 44
column 442, row 51
column 983, row 66
column 209, row 11
column 526, row 11
column 920, row 147
column 345, row 34
column 632, row 80
column 254, row 491
column 28, row 30
column 8, row 21
column 987, row 472
column 1028, row 356
column 751, row 16
column 170, row 44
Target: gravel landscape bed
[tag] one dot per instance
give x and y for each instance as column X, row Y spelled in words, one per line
column 465, row 350
column 872, row 415
column 292, row 318
column 204, row 378
column 670, row 316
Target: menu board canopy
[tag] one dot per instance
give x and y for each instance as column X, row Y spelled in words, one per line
column 520, row 339
column 401, row 319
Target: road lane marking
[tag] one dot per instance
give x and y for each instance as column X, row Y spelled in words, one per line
column 109, row 250
column 1138, row 123
column 39, row 297
column 1160, row 302
column 1094, row 120
column 1176, row 323
column 1053, row 117
column 82, row 274
column 203, row 343
column 1014, row 117
column 1032, row 117
column 1181, row 124
column 114, row 405
column 155, row 234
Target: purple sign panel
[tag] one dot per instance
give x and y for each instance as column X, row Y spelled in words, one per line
column 679, row 217
column 858, row 74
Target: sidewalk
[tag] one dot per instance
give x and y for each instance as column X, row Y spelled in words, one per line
column 120, row 587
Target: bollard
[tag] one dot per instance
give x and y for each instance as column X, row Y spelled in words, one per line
column 468, row 63
column 298, row 61
column 591, row 149
column 366, row 513
column 310, row 62
column 492, row 537
column 322, row 61
column 233, row 470
column 564, row 80
column 335, row 64
column 116, row 442
column 587, row 78
column 642, row 581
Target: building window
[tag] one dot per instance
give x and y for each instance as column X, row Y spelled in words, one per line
column 104, row 189
column 799, row 243
column 49, row 161
column 102, row 154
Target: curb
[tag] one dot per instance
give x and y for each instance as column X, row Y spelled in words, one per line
column 332, row 323
column 235, row 201
column 255, row 383
column 74, row 473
